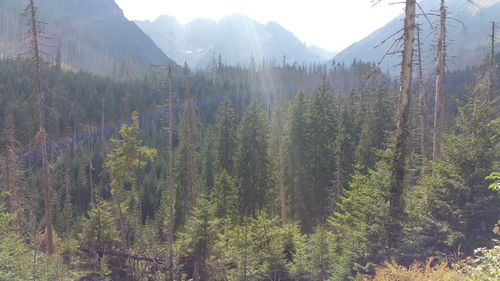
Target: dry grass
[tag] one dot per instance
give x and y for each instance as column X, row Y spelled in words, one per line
column 416, row 272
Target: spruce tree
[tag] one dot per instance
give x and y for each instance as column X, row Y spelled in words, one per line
column 225, row 196
column 225, row 143
column 322, row 131
column 253, row 164
column 297, row 154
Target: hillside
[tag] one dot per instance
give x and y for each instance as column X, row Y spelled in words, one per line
column 92, row 35
column 467, row 36
column 236, row 38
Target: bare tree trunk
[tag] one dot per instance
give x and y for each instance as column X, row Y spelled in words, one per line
column 67, row 201
column 281, row 180
column 439, row 96
column 493, row 66
column 423, row 109
column 189, row 131
column 35, row 52
column 402, row 131
column 12, row 171
column 170, row 173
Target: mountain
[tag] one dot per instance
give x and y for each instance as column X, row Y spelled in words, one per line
column 467, row 37
column 92, row 35
column 236, row 38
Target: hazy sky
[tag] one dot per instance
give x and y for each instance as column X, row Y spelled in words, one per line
column 330, row 24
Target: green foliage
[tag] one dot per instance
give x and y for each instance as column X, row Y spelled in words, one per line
column 225, row 143
column 14, row 255
column 486, row 264
column 320, row 255
column 253, row 163
column 296, row 172
column 376, row 121
column 199, row 237
column 128, row 156
column 452, row 210
column 495, row 177
column 321, row 160
column 256, row 249
column 359, row 225
column 225, row 196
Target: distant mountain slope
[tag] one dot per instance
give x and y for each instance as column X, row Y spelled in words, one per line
column 236, row 38
column 467, row 36
column 93, row 35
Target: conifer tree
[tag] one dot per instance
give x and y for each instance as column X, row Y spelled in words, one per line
column 297, row 155
column 322, row 132
column 200, row 237
column 225, row 143
column 225, row 196
column 186, row 166
column 253, row 164
column 123, row 163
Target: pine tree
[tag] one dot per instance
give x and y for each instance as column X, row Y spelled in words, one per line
column 253, row 162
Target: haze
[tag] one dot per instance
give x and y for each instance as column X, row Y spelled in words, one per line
column 332, row 25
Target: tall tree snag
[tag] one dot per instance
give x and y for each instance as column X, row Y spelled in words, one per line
column 493, row 66
column 34, row 40
column 439, row 95
column 12, row 171
column 402, row 130
column 170, row 173
column 424, row 150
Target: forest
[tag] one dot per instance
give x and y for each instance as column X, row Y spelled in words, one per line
column 272, row 171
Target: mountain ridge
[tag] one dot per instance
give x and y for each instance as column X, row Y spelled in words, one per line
column 470, row 47
column 237, row 38
column 92, row 35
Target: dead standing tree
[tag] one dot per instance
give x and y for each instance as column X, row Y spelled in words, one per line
column 12, row 171
column 440, row 74
column 35, row 37
column 493, row 67
column 165, row 86
column 402, row 129
column 422, row 107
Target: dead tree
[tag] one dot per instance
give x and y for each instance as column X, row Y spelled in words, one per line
column 165, row 86
column 424, row 150
column 493, row 66
column 189, row 130
column 402, row 130
column 439, row 94
column 170, row 174
column 67, row 195
column 12, row 171
column 281, row 176
column 35, row 38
